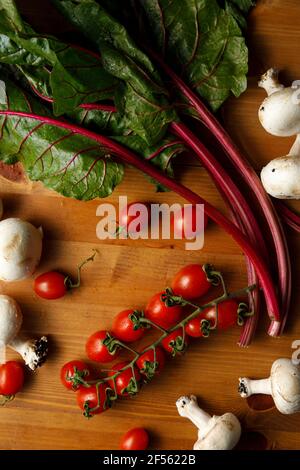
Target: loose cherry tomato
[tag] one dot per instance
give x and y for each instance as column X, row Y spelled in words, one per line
column 184, row 223
column 190, row 282
column 87, row 399
column 11, row 378
column 123, row 328
column 126, row 382
column 174, row 343
column 96, row 350
column 151, row 364
column 135, row 439
column 227, row 317
column 159, row 313
column 50, row 285
column 135, row 217
column 67, row 374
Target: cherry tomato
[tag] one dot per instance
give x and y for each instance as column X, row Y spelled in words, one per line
column 50, row 285
column 11, row 378
column 159, row 313
column 151, row 364
column 135, row 217
column 125, row 383
column 174, row 343
column 67, row 374
column 87, row 399
column 96, row 350
column 135, row 439
column 227, row 317
column 190, row 282
column 227, row 314
column 123, row 328
column 184, row 223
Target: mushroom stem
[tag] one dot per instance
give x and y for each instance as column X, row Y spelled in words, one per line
column 269, row 81
column 248, row 387
column 2, row 353
column 34, row 352
column 198, row 417
column 295, row 150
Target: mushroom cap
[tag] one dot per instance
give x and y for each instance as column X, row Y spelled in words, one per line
column 222, row 433
column 20, row 249
column 281, row 177
column 10, row 319
column 285, row 383
column 279, row 113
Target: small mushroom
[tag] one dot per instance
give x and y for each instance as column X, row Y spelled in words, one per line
column 283, row 384
column 215, row 432
column 279, row 113
column 20, row 249
column 33, row 351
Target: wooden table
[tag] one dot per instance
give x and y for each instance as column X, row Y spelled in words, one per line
column 127, row 273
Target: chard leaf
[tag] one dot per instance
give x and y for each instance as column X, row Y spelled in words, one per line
column 69, row 163
column 114, row 126
column 140, row 97
column 203, row 43
column 73, row 76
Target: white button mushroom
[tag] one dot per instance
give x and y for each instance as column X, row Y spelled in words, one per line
column 279, row 113
column 20, row 249
column 215, row 432
column 34, row 352
column 283, row 384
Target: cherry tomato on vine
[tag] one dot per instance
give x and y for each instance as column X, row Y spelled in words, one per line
column 135, row 439
column 159, row 313
column 227, row 317
column 123, row 328
column 150, row 364
column 11, row 378
column 67, row 374
column 96, row 350
column 190, row 282
column 174, row 342
column 184, row 223
column 135, row 217
column 50, row 285
column 87, row 399
column 127, row 382
column 227, row 314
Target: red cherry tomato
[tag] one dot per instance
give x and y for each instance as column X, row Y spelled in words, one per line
column 159, row 313
column 67, row 374
column 50, row 285
column 151, row 364
column 174, row 343
column 184, row 223
column 135, row 217
column 135, row 439
column 123, row 328
column 226, row 314
column 126, row 382
column 190, row 282
column 11, row 378
column 227, row 317
column 96, row 350
column 87, row 399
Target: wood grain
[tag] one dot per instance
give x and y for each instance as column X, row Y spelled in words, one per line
column 126, row 274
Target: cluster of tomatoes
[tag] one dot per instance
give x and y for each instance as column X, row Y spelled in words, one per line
column 125, row 377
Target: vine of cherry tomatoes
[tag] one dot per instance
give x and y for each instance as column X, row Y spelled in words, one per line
column 164, row 312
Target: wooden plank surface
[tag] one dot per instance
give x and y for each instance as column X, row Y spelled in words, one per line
column 126, row 274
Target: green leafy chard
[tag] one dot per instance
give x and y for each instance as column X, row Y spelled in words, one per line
column 141, row 96
column 69, row 163
column 70, row 75
column 203, row 43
